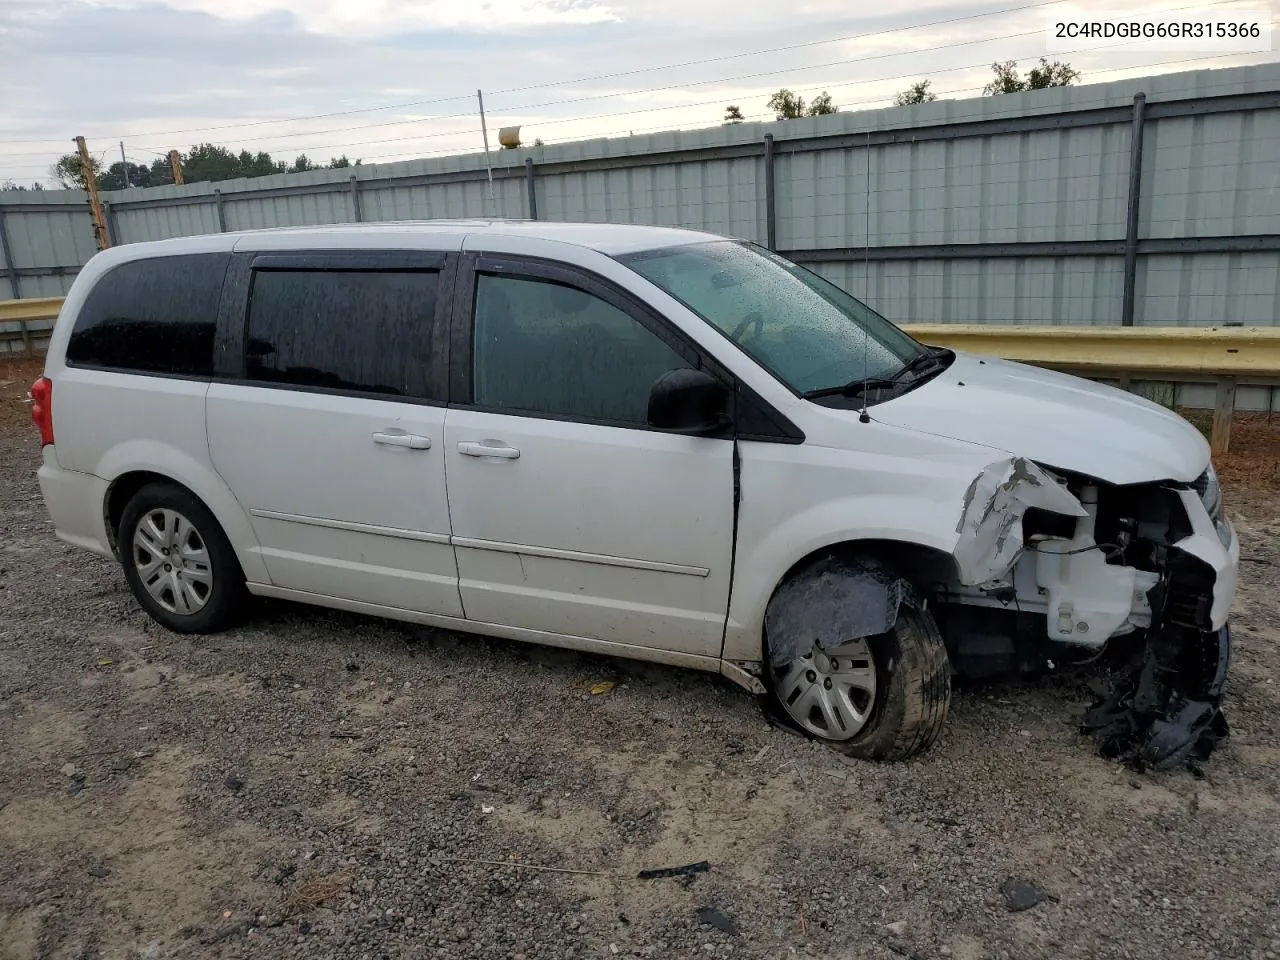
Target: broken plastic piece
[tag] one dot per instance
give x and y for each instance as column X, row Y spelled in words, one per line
column 688, row 870
column 604, row 686
column 714, row 918
column 990, row 526
column 1022, row 895
column 832, row 601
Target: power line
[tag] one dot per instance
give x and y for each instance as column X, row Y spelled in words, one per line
column 589, row 79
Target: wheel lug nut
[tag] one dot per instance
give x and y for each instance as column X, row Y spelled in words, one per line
column 827, row 683
column 835, row 664
column 167, row 567
column 811, row 676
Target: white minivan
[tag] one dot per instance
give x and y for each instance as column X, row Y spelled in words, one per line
column 637, row 441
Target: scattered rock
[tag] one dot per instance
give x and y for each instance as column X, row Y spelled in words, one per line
column 897, row 928
column 68, row 769
column 99, row 871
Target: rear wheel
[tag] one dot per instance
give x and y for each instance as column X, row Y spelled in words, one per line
column 178, row 561
column 876, row 698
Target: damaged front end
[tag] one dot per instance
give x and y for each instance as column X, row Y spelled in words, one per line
column 1049, row 563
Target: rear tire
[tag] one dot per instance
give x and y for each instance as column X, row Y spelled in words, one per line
column 908, row 703
column 178, row 562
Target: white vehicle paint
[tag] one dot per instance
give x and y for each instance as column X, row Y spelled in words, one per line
column 453, row 501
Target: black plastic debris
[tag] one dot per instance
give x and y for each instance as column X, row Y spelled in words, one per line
column 233, row 783
column 688, row 870
column 714, row 918
column 1168, row 712
column 1022, row 895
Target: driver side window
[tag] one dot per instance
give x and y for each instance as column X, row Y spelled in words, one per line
column 550, row 348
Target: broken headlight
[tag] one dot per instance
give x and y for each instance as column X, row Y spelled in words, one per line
column 1210, row 491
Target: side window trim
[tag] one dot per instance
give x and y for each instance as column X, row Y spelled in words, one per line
column 231, row 338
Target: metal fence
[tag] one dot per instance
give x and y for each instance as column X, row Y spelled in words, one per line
column 1148, row 202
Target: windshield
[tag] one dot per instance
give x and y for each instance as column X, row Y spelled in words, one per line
column 807, row 332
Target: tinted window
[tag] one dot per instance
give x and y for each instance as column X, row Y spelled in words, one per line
column 344, row 330
column 153, row 316
column 544, row 347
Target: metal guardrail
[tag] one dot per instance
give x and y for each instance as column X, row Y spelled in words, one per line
column 1226, row 356
column 24, row 312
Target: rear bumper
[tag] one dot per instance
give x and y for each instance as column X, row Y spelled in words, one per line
column 75, row 504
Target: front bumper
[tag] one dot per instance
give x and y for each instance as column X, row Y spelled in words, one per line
column 1222, row 559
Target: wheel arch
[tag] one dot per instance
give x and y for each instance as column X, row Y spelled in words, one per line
column 920, row 563
column 128, row 471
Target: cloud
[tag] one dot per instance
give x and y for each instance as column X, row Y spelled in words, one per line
column 293, row 76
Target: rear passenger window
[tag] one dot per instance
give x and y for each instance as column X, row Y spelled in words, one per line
column 365, row 331
column 544, row 347
column 152, row 316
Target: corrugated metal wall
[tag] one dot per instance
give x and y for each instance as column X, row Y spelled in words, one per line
column 1040, row 180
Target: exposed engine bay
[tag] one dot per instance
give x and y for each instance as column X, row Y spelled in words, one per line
column 1054, row 567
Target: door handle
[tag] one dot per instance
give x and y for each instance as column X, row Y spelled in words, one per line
column 488, row 448
column 398, row 438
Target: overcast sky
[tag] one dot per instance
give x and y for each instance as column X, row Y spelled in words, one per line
column 390, row 80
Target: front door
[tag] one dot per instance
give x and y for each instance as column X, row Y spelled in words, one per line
column 332, row 433
column 570, row 514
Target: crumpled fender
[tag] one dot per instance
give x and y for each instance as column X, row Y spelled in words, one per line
column 833, row 600
column 990, row 527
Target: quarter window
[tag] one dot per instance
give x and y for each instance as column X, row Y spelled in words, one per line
column 363, row 331
column 550, row 348
column 152, row 316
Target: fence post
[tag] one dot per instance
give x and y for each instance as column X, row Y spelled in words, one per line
column 770, row 223
column 1224, row 407
column 10, row 269
column 1135, row 203
column 113, row 228
column 217, row 203
column 530, row 181
column 355, row 199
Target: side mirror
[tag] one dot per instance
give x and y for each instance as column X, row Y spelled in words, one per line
column 688, row 401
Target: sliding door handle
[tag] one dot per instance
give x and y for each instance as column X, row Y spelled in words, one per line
column 494, row 449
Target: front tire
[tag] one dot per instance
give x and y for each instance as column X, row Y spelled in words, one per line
column 178, row 562
column 875, row 698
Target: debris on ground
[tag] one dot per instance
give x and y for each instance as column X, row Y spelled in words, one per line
column 603, row 687
column 1022, row 895
column 714, row 918
column 688, row 870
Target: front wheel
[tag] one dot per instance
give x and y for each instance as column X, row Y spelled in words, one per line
column 876, row 698
column 178, row 561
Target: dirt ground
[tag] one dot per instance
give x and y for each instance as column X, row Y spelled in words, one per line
column 321, row 785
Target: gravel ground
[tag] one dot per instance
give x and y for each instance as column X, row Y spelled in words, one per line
column 306, row 786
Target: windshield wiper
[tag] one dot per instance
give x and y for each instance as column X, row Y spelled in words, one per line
column 920, row 360
column 852, row 389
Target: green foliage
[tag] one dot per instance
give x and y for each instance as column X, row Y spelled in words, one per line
column 1006, row 79
column 790, row 106
column 118, row 176
column 916, row 93
column 20, row 187
column 732, row 114
column 69, row 172
column 822, row 105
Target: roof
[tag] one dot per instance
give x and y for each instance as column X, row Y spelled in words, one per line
column 608, row 238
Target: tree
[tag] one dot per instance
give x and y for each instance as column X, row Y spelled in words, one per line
column 302, row 164
column 916, row 93
column 537, row 142
column 341, row 163
column 822, row 106
column 21, row 188
column 69, row 172
column 732, row 114
column 789, row 106
column 786, row 105
column 118, row 176
column 1006, row 80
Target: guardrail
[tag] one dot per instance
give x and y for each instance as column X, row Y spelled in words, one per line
column 1225, row 356
column 23, row 313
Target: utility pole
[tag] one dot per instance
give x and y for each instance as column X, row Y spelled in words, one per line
column 175, row 164
column 124, row 166
column 91, row 188
column 484, row 130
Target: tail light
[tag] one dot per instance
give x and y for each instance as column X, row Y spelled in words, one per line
column 42, row 408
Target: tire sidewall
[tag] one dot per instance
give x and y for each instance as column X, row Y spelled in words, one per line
column 225, row 598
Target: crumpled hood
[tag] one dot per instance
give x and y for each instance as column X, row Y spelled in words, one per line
column 1052, row 418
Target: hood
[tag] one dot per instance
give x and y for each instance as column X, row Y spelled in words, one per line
column 1052, row 418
